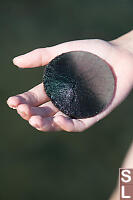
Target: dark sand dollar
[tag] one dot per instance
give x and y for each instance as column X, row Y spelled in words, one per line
column 80, row 84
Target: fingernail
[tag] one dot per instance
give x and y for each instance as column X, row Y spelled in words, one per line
column 9, row 99
column 23, row 114
column 36, row 126
column 12, row 106
column 18, row 60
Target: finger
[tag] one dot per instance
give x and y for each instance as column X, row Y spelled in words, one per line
column 35, row 58
column 42, row 56
column 90, row 121
column 44, row 124
column 34, row 97
column 45, row 110
column 68, row 124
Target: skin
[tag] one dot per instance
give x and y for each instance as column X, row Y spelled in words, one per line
column 128, row 163
column 35, row 107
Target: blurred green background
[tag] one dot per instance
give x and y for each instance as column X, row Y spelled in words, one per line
column 58, row 165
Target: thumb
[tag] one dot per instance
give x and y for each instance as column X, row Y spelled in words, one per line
column 42, row 56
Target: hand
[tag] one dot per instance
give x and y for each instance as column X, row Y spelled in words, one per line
column 35, row 106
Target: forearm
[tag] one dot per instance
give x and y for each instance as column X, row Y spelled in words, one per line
column 125, row 41
column 124, row 59
column 128, row 163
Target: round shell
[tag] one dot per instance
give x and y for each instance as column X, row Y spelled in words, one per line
column 79, row 83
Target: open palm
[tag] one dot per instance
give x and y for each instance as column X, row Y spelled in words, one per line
column 36, row 107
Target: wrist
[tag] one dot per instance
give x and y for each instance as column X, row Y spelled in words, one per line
column 125, row 41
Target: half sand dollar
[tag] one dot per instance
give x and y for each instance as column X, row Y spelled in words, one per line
column 79, row 83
